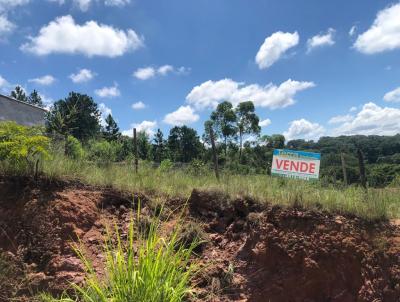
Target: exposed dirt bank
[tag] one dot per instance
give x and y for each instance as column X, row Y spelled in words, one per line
column 253, row 253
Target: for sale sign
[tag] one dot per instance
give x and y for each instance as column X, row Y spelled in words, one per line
column 295, row 164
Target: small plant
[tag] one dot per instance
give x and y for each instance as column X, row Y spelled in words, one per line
column 166, row 165
column 73, row 148
column 141, row 268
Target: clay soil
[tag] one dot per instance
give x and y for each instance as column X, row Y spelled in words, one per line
column 252, row 252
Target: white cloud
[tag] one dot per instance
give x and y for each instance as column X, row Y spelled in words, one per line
column 145, row 126
column 6, row 26
column 352, row 30
column 82, row 76
column 182, row 116
column 340, row 119
column 44, row 80
column 325, row 39
column 144, row 73
column 274, row 47
column 352, row 109
column 210, row 93
column 265, row 123
column 63, row 35
column 149, row 72
column 119, row 3
column 372, row 119
column 138, row 105
column 108, row 92
column 384, row 34
column 6, row 5
column 3, row 82
column 393, row 96
column 303, row 129
column 104, row 112
column 84, row 5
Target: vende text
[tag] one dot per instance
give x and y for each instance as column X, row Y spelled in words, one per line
column 295, row 166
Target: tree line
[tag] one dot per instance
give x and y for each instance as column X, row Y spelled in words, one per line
column 239, row 145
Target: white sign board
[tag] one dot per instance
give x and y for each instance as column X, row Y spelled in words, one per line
column 295, row 164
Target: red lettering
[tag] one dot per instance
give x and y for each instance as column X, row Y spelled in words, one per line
column 312, row 168
column 279, row 163
column 286, row 165
column 294, row 165
column 303, row 167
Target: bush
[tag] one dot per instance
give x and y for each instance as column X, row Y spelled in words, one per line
column 166, row 165
column 73, row 148
column 102, row 151
column 22, row 147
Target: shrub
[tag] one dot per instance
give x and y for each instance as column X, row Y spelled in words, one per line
column 166, row 165
column 22, row 147
column 73, row 148
column 102, row 151
column 140, row 268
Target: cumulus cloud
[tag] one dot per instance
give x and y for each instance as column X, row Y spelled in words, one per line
column 4, row 85
column 149, row 72
column 182, row 116
column 274, row 47
column 324, row 39
column 138, row 105
column 45, row 80
column 383, row 35
column 104, row 112
column 265, row 123
column 148, row 127
column 303, row 129
column 63, row 35
column 393, row 96
column 82, row 76
column 210, row 93
column 372, row 119
column 352, row 109
column 108, row 92
column 340, row 119
column 6, row 26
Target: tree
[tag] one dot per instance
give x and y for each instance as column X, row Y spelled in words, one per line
column 35, row 99
column 77, row 115
column 19, row 94
column 224, row 119
column 111, row 130
column 143, row 145
column 184, row 144
column 247, row 122
column 158, row 146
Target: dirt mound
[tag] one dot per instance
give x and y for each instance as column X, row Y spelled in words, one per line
column 253, row 253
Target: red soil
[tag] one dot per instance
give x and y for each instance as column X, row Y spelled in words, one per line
column 253, row 253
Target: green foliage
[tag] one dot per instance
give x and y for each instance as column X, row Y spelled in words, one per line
column 111, row 130
column 35, row 99
column 224, row 119
column 184, row 144
column 144, row 146
column 19, row 94
column 198, row 167
column 166, row 165
column 159, row 147
column 102, row 151
column 141, row 268
column 77, row 115
column 73, row 148
column 22, row 146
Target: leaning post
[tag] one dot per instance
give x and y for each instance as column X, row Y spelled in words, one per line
column 135, row 150
column 215, row 155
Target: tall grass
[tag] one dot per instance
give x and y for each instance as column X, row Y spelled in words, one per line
column 144, row 267
column 373, row 204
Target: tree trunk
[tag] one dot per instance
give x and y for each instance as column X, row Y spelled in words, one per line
column 215, row 155
column 240, row 147
column 362, row 168
column 344, row 169
column 135, row 148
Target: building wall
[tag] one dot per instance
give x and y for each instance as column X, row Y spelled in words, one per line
column 23, row 114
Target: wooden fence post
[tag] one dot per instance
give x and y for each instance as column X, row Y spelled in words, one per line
column 215, row 155
column 135, row 150
column 344, row 169
column 362, row 168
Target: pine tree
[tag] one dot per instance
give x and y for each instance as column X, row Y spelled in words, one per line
column 35, row 99
column 158, row 146
column 111, row 130
column 19, row 94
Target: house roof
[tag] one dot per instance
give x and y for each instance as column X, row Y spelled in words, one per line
column 15, row 100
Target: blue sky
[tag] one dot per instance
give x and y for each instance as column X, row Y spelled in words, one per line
column 312, row 68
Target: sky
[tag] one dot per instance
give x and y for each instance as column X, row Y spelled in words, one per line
column 312, row 68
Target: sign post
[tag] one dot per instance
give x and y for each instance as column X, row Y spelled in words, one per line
column 295, row 164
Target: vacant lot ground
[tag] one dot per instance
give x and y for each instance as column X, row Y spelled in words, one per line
column 252, row 251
